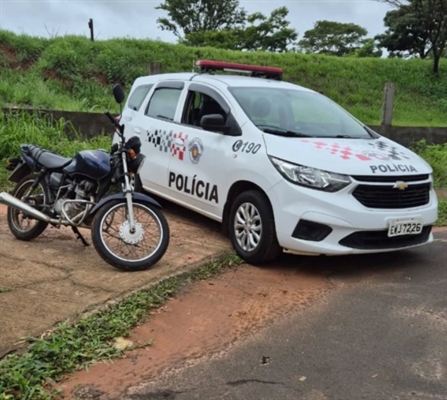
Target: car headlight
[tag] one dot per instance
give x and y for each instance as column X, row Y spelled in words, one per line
column 311, row 177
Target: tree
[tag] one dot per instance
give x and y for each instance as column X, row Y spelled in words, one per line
column 261, row 34
column 429, row 20
column 269, row 34
column 404, row 35
column 230, row 39
column 187, row 16
column 333, row 38
column 369, row 49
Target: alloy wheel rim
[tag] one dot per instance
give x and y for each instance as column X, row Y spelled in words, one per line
column 248, row 227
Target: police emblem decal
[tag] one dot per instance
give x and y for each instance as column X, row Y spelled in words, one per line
column 195, row 148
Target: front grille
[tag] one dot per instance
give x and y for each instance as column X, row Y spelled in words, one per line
column 379, row 240
column 383, row 179
column 381, row 196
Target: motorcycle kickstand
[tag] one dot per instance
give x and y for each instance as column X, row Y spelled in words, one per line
column 79, row 236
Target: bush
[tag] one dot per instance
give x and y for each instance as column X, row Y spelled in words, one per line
column 23, row 128
column 436, row 156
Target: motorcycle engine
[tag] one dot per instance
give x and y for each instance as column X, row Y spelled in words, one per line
column 78, row 191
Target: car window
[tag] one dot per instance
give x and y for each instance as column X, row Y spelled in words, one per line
column 198, row 105
column 137, row 96
column 163, row 103
column 308, row 113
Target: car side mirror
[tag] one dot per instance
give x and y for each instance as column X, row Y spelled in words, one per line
column 214, row 123
column 118, row 93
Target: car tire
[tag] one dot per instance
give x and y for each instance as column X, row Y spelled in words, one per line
column 257, row 242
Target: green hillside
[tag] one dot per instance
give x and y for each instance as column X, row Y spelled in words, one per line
column 73, row 73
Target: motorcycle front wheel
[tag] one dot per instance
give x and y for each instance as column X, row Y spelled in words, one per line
column 126, row 250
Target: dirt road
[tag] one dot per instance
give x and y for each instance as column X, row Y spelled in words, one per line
column 55, row 277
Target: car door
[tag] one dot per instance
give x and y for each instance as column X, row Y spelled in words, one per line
column 154, row 124
column 200, row 159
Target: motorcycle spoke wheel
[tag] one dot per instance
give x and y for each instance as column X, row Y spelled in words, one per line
column 21, row 221
column 21, row 225
column 131, row 246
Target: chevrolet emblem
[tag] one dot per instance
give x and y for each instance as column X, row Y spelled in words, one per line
column 400, row 185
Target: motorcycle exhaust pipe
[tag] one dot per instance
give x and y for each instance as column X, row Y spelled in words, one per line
column 7, row 199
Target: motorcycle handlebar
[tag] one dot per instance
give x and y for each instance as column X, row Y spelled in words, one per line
column 114, row 121
column 107, row 113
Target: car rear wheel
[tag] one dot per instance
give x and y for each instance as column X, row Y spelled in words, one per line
column 252, row 228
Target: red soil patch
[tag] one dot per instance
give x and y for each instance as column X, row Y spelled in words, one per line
column 11, row 55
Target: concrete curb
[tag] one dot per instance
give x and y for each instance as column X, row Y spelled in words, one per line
column 181, row 272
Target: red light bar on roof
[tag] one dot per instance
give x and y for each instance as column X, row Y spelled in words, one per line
column 255, row 70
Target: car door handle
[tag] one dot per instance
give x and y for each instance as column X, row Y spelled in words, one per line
column 137, row 130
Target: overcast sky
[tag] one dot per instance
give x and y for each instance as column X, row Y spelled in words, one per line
column 137, row 18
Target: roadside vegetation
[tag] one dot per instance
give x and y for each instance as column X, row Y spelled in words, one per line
column 22, row 128
column 74, row 73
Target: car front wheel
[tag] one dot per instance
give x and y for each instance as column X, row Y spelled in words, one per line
column 252, row 228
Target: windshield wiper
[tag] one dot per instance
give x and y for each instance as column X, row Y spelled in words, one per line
column 285, row 133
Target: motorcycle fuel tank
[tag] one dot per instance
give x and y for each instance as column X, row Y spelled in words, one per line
column 93, row 164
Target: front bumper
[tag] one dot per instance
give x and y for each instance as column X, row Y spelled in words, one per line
column 315, row 222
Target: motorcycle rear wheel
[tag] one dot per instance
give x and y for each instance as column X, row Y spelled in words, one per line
column 12, row 214
column 121, row 258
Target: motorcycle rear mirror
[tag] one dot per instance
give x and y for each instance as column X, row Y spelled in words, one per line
column 118, row 93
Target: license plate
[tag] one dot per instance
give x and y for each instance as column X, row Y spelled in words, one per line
column 405, row 227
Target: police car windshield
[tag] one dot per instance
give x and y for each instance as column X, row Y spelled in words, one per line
column 307, row 113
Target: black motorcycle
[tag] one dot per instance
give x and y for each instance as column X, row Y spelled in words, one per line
column 58, row 191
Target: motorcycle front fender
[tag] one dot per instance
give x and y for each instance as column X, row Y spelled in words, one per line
column 121, row 196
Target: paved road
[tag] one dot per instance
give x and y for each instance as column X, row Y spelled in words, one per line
column 380, row 335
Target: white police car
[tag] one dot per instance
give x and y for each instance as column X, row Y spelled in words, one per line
column 281, row 166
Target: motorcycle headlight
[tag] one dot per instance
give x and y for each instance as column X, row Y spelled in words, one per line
column 134, row 143
column 311, row 178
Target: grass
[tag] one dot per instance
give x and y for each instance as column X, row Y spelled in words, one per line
column 20, row 128
column 4, row 183
column 436, row 156
column 74, row 73
column 31, row 375
column 23, row 128
column 442, row 220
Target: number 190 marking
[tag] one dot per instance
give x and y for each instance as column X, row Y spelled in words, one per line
column 246, row 147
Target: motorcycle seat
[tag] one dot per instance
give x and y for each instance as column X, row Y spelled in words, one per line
column 48, row 159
